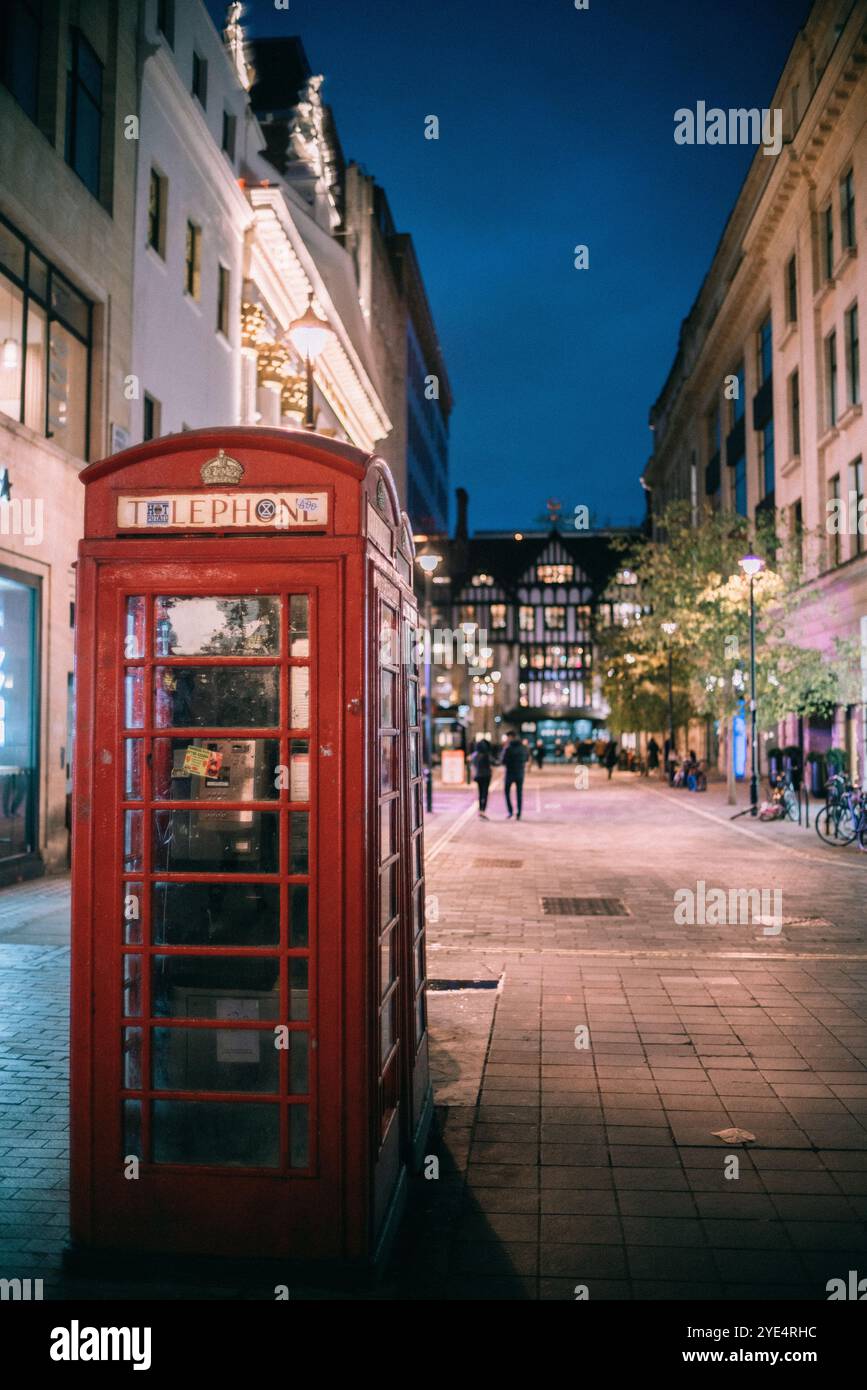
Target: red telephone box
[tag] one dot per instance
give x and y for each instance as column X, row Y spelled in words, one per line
column 249, row 1044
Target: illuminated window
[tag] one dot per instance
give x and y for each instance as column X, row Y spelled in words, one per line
column 554, row 574
column 555, row 616
column 498, row 615
column 627, row 577
column 527, row 617
column 481, row 580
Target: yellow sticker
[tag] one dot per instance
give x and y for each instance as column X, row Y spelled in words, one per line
column 201, row 762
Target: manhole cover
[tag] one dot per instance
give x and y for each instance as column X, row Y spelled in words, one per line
column 584, row 907
column 462, row 984
column 498, row 863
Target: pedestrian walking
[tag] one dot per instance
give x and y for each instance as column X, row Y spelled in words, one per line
column 482, row 760
column 611, row 757
column 652, row 754
column 513, row 760
column 539, row 753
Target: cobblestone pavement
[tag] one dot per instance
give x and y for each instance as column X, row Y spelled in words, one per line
column 563, row 1165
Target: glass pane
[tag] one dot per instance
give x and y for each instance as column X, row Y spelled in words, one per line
column 386, row 961
column 418, row 956
column 11, row 316
column 299, row 704
column 11, row 251
column 67, row 390
column 299, row 637
column 38, row 281
column 386, row 700
column 216, row 914
column 19, row 739
column 214, row 841
column 413, row 755
column 133, row 753
column 35, row 367
column 299, row 770
column 241, row 697
column 213, row 1059
column 415, row 806
column 217, row 1133
column 387, row 829
column 387, row 1030
column 222, row 987
column 387, row 895
column 132, row 1058
column 131, row 983
column 133, row 699
column 420, row 1017
column 132, row 909
column 299, row 1064
column 412, row 696
column 217, row 626
column 133, row 853
column 299, row 1136
column 220, row 769
column 299, row 999
column 132, row 1129
column 69, row 304
column 416, row 859
column 133, row 637
column 298, row 844
column 387, row 763
column 298, row 929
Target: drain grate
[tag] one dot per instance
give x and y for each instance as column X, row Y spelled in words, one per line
column 584, row 907
column 498, row 863
column 463, row 984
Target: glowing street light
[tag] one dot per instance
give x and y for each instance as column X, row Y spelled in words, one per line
column 751, row 566
column 308, row 336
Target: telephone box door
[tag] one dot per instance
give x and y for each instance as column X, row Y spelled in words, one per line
column 216, row 864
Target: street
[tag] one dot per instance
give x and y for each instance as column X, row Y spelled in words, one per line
column 583, row 1057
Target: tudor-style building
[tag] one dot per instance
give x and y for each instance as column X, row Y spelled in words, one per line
column 530, row 605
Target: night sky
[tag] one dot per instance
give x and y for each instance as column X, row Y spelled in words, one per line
column 556, row 128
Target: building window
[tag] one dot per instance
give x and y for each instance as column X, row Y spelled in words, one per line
column 229, row 127
column 555, row 617
column 498, row 615
column 554, row 574
column 152, row 414
column 45, row 346
column 157, row 200
column 856, row 496
column 166, row 20
column 797, row 531
column 223, row 300
column 764, row 358
column 192, row 261
column 20, row 45
column 847, row 210
column 794, row 414
column 200, row 79
column 834, row 551
column 766, row 458
column 527, row 618
column 828, row 241
column 792, row 289
column 713, row 432
column 740, row 486
column 853, row 357
column 831, row 379
column 19, row 724
column 737, row 403
column 481, row 581
column 83, row 111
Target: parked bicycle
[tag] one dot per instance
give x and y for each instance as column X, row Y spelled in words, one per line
column 783, row 801
column 843, row 818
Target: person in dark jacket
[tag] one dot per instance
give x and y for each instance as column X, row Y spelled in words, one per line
column 514, row 759
column 482, row 758
column 652, row 754
column 539, row 753
column 611, row 757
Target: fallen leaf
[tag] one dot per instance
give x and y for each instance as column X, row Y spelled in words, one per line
column 733, row 1136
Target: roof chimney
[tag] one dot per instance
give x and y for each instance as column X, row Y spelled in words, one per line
column 461, row 533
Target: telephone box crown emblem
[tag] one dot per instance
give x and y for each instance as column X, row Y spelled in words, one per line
column 222, row 469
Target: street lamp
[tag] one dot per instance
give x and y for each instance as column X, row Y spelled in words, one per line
column 670, row 629
column 308, row 335
column 751, row 566
column 428, row 563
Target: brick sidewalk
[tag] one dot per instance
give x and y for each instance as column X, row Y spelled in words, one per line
column 559, row 1166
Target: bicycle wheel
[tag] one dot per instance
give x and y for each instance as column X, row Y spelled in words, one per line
column 834, row 825
column 790, row 802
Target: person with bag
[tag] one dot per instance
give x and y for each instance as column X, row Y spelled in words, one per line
column 481, row 760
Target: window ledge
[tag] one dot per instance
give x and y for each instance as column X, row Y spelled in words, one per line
column 791, row 465
column 848, row 255
column 852, row 412
column 823, row 291
column 789, row 332
column 828, row 437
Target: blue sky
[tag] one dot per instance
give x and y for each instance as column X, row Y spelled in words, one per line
column 556, row 129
